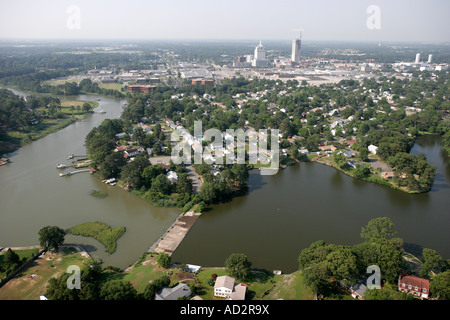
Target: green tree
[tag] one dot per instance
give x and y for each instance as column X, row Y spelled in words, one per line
column 161, row 184
column 440, row 285
column 152, row 288
column 118, row 290
column 184, row 184
column 163, row 260
column 157, row 148
column 341, row 263
column 431, row 260
column 363, row 154
column 86, row 107
column 238, row 265
column 132, row 171
column 11, row 261
column 112, row 165
column 339, row 158
column 316, row 277
column 51, row 237
column 386, row 294
column 57, row 289
column 379, row 228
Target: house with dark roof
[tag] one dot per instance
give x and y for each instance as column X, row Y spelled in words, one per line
column 414, row 285
column 180, row 291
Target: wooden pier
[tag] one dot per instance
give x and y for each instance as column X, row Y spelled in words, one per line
column 173, row 236
column 80, row 157
column 64, row 174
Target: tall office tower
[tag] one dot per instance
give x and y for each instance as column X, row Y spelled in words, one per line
column 418, row 58
column 260, row 52
column 296, row 43
column 430, row 58
column 259, row 59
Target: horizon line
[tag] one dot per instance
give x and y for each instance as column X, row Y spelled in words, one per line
column 443, row 42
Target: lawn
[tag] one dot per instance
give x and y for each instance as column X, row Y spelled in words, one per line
column 33, row 280
column 56, row 82
column 290, row 287
column 147, row 270
column 113, row 86
column 261, row 285
column 100, row 231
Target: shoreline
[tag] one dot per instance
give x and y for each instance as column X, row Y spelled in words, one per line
column 175, row 234
column 59, row 125
column 387, row 184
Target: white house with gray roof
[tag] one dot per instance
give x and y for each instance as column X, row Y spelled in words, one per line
column 226, row 287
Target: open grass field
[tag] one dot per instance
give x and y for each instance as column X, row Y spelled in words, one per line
column 33, row 280
column 113, row 86
column 147, row 270
column 290, row 287
column 56, row 82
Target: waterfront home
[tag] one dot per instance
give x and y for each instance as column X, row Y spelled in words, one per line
column 358, row 289
column 226, row 287
column 132, row 152
column 172, row 176
column 387, row 174
column 372, row 149
column 328, row 148
column 180, row 291
column 414, row 285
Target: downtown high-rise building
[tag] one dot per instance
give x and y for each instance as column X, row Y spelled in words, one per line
column 296, row 44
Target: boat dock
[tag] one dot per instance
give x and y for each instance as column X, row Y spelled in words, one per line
column 79, row 157
column 64, row 174
column 175, row 233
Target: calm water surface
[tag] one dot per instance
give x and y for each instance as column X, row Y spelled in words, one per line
column 280, row 215
column 33, row 195
column 285, row 213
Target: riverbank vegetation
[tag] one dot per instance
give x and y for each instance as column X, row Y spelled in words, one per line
column 329, row 266
column 23, row 121
column 100, row 231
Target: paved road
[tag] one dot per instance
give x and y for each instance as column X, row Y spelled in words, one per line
column 196, row 181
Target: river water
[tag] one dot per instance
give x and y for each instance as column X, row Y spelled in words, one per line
column 286, row 212
column 33, row 195
column 280, row 215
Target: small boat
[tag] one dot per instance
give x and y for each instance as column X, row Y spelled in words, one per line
column 110, row 181
column 61, row 166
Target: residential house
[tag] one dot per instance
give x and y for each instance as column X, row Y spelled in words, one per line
column 387, row 175
column 172, row 176
column 120, row 135
column 417, row 286
column 132, row 152
column 227, row 288
column 180, row 291
column 372, row 149
column 358, row 289
column 328, row 148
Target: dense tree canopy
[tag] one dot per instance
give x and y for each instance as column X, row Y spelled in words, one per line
column 51, row 237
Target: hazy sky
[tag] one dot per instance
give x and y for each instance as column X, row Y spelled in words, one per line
column 393, row 20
